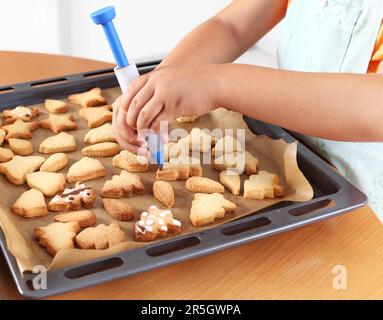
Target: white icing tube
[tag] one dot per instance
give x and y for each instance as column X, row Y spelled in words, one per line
column 126, row 75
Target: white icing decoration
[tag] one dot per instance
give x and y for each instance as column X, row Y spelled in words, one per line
column 149, row 221
column 176, row 222
column 153, row 207
column 144, row 214
column 165, row 213
column 84, row 193
column 55, row 199
column 164, row 228
column 141, row 223
column 149, row 228
column 20, row 111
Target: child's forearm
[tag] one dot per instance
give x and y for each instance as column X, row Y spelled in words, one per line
column 345, row 107
column 230, row 33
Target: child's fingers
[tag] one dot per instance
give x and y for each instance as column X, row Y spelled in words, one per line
column 148, row 113
column 137, row 103
column 125, row 131
column 156, row 125
column 133, row 89
column 115, row 107
column 131, row 147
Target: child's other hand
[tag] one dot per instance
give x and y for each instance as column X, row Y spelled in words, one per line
column 168, row 93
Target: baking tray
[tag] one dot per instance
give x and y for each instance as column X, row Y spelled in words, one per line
column 333, row 195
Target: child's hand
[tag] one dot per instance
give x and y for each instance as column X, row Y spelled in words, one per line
column 168, row 93
column 125, row 135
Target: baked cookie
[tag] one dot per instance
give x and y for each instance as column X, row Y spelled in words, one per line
column 179, row 169
column 17, row 169
column 73, row 199
column 62, row 142
column 86, row 169
column 231, row 180
column 2, row 136
column 174, row 150
column 118, row 209
column 103, row 133
column 238, row 161
column 208, row 207
column 234, row 161
column 204, row 185
column 198, row 140
column 49, row 183
column 97, row 116
column 187, row 119
column 20, row 112
column 5, row 155
column 103, row 149
column 55, row 106
column 156, row 223
column 57, row 236
column 123, row 185
column 59, row 123
column 131, row 162
column 20, row 147
column 31, row 204
column 251, row 163
column 263, row 185
column 55, row 162
column 163, row 192
column 87, row 99
column 100, row 237
column 85, row 218
column 227, row 145
column 20, row 129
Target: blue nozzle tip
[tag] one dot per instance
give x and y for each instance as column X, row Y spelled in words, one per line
column 159, row 156
column 103, row 15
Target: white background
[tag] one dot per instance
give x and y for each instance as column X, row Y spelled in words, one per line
column 148, row 28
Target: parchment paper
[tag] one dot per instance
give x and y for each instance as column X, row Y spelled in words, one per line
column 274, row 155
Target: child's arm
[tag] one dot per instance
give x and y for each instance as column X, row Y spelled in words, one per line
column 221, row 39
column 336, row 106
column 228, row 34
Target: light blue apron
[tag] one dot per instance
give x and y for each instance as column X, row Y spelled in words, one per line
column 337, row 36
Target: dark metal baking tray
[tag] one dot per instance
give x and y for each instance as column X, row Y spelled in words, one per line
column 333, row 195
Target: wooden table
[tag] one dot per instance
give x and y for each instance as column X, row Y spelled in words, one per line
column 293, row 265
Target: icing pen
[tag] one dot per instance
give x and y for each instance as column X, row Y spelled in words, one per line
column 126, row 70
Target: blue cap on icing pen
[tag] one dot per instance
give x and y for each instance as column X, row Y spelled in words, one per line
column 104, row 17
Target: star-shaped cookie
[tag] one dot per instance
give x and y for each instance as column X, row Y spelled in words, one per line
column 20, row 112
column 59, row 123
column 20, row 129
column 97, row 116
column 87, row 99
